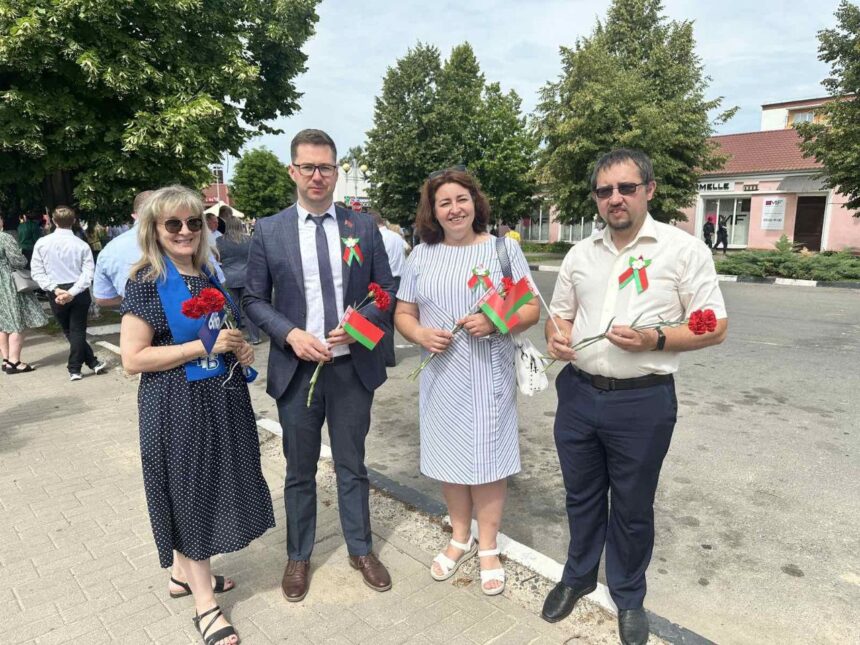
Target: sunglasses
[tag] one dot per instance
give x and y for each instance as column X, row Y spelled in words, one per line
column 439, row 173
column 174, row 225
column 605, row 192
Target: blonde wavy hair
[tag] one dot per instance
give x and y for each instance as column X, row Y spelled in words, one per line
column 162, row 204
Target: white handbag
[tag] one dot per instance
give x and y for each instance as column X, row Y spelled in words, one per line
column 23, row 282
column 530, row 366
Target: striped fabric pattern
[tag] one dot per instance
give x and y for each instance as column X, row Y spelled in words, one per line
column 467, row 410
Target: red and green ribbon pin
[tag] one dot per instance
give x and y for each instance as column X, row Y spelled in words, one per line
column 352, row 251
column 635, row 273
column 480, row 276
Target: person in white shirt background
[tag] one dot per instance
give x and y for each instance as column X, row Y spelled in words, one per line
column 395, row 247
column 63, row 267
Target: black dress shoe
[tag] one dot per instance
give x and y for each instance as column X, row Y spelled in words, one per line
column 633, row 626
column 561, row 601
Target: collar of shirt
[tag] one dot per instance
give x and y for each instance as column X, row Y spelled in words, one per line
column 647, row 230
column 304, row 213
column 59, row 232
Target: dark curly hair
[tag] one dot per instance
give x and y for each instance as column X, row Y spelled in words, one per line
column 427, row 225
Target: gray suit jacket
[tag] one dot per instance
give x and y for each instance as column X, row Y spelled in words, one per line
column 275, row 264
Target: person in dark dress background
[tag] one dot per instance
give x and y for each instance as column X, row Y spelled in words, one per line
column 198, row 439
column 233, row 248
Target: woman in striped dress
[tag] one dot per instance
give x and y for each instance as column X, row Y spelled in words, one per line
column 467, row 413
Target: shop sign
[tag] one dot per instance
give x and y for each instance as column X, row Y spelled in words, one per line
column 750, row 188
column 773, row 214
column 711, row 187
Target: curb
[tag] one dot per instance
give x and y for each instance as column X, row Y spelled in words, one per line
column 749, row 279
column 520, row 553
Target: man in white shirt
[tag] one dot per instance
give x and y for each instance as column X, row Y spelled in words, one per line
column 63, row 266
column 395, row 247
column 617, row 406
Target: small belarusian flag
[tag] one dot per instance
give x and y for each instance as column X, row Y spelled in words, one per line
column 360, row 328
column 503, row 311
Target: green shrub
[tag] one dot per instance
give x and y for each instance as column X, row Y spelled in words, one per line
column 545, row 247
column 825, row 267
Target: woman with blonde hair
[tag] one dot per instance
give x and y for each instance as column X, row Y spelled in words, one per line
column 198, row 438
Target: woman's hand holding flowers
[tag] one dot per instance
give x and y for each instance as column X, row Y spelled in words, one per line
column 229, row 340
column 477, row 325
column 434, row 340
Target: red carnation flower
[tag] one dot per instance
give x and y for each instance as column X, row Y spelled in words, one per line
column 193, row 308
column 212, row 299
column 710, row 319
column 697, row 323
column 507, row 285
column 379, row 296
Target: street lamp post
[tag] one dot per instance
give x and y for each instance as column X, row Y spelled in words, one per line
column 346, row 167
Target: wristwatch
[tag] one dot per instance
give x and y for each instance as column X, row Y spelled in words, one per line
column 661, row 340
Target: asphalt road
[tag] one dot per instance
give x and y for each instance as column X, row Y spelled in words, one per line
column 758, row 508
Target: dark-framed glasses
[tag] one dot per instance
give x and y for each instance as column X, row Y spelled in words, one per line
column 439, row 173
column 174, row 225
column 626, row 188
column 308, row 169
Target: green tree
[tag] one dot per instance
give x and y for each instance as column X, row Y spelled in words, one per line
column 432, row 116
column 261, row 184
column 634, row 82
column 835, row 141
column 402, row 147
column 102, row 98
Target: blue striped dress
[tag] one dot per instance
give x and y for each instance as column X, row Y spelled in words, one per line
column 468, row 405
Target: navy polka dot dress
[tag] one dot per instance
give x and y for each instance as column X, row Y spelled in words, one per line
column 198, row 444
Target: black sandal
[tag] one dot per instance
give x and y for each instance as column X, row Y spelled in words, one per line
column 221, row 634
column 13, row 368
column 5, row 363
column 218, row 588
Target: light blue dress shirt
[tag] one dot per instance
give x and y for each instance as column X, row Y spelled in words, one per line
column 115, row 261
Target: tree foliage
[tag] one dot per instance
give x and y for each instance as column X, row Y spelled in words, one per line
column 433, row 115
column 634, row 82
column 261, row 184
column 124, row 95
column 835, row 141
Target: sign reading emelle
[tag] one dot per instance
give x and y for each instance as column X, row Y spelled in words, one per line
column 710, row 187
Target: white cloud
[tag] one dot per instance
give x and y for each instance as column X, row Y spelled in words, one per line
column 755, row 53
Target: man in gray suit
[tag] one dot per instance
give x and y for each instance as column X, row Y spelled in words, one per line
column 320, row 259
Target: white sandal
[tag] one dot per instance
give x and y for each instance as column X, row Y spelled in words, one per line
column 449, row 567
column 488, row 575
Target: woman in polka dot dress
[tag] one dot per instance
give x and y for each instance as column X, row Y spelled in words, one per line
column 198, row 437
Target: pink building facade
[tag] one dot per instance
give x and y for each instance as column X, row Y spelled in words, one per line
column 765, row 190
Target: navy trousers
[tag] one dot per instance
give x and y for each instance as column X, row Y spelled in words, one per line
column 344, row 403
column 611, row 441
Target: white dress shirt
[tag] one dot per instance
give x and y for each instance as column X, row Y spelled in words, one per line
column 395, row 247
column 681, row 279
column 62, row 258
column 310, row 267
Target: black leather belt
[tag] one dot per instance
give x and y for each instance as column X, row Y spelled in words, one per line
column 609, row 384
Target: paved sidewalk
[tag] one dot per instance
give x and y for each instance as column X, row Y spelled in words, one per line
column 79, row 564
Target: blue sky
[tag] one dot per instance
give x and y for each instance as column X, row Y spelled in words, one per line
column 754, row 52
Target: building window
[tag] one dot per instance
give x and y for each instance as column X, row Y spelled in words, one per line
column 735, row 212
column 577, row 230
column 802, row 117
column 536, row 227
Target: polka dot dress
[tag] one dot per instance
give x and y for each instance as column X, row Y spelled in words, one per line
column 198, row 444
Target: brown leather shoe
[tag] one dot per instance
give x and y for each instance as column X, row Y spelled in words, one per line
column 374, row 572
column 296, row 581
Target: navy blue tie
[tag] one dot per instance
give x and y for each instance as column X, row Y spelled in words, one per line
column 326, row 278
